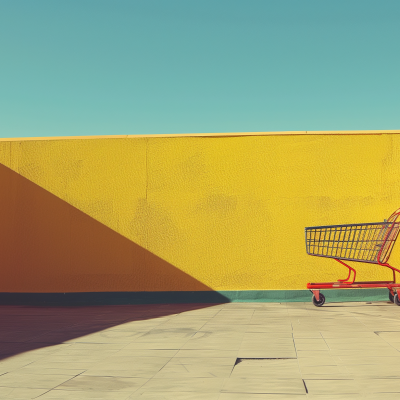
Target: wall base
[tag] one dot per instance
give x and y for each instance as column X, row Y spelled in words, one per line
column 114, row 298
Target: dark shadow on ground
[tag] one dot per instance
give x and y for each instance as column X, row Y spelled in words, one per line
column 25, row 328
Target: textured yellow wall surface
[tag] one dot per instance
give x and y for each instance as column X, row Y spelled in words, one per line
column 229, row 212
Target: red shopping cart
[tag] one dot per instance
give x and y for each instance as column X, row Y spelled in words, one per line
column 368, row 243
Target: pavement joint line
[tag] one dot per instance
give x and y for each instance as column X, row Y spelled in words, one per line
column 305, row 386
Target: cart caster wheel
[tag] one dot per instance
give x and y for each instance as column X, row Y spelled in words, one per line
column 396, row 300
column 321, row 301
column 391, row 297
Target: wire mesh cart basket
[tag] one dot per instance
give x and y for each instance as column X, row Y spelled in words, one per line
column 367, row 243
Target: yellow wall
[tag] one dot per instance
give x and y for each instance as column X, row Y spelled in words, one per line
column 222, row 213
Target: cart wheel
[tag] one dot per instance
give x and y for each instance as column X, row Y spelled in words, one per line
column 321, row 301
column 396, row 300
column 391, row 297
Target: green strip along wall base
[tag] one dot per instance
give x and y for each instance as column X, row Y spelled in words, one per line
column 115, row 298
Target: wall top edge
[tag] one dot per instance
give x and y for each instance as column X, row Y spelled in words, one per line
column 215, row 135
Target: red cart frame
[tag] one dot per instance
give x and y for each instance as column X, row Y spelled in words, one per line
column 368, row 243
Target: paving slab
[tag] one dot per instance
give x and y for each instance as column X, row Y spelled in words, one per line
column 174, row 396
column 264, row 386
column 179, row 384
column 102, row 383
column 258, row 396
column 58, row 394
column 20, row 392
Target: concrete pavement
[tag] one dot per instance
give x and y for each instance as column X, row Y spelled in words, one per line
column 195, row 352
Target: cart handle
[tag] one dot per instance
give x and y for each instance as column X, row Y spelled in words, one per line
column 392, row 220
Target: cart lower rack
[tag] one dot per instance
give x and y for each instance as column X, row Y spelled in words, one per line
column 368, row 243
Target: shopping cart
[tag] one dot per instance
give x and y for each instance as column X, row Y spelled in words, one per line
column 368, row 243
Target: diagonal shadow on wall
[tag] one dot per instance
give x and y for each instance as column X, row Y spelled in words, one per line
column 51, row 253
column 47, row 245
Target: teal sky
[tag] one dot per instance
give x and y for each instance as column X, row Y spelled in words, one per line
column 95, row 67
